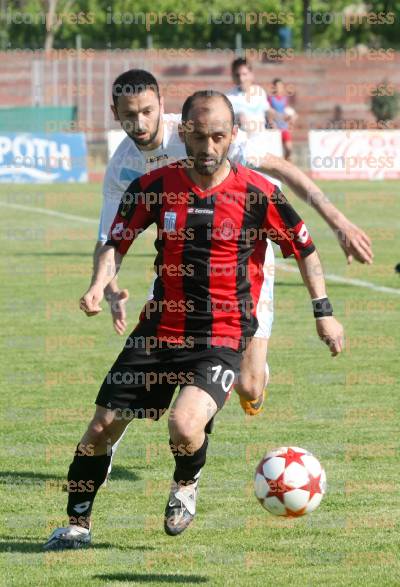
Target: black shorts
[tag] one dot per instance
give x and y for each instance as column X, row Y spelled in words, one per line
column 141, row 382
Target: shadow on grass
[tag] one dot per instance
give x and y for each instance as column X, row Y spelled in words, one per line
column 24, row 478
column 151, row 578
column 122, row 473
column 16, row 478
column 12, row 544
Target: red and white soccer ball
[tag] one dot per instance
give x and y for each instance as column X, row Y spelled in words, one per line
column 289, row 482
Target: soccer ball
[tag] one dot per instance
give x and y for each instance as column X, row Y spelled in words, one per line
column 290, row 482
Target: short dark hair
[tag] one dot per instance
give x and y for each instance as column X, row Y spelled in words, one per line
column 239, row 62
column 205, row 94
column 276, row 80
column 133, row 82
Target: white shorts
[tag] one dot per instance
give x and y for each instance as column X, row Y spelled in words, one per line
column 265, row 306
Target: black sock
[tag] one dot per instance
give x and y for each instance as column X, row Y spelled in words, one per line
column 188, row 464
column 85, row 475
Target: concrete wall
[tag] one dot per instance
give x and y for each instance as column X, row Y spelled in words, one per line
column 317, row 83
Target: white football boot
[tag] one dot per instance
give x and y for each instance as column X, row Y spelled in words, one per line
column 68, row 538
column 181, row 507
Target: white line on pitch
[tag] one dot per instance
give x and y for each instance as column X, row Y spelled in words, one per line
column 47, row 212
column 345, row 280
column 280, row 264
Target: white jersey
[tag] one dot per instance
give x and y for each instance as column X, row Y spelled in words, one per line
column 252, row 105
column 128, row 163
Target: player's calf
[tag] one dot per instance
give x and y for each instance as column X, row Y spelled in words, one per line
column 253, row 378
column 181, row 506
column 188, row 443
column 251, row 391
column 86, row 474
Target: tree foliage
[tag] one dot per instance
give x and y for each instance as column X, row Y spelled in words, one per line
column 128, row 23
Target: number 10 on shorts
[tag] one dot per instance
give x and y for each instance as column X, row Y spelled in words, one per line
column 227, row 377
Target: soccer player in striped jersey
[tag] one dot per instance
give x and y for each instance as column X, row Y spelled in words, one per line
column 210, row 215
column 152, row 141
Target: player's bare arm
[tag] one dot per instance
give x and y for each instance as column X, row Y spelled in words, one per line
column 353, row 240
column 116, row 297
column 106, row 266
column 328, row 328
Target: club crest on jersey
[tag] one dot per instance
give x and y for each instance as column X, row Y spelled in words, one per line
column 170, row 221
column 226, row 229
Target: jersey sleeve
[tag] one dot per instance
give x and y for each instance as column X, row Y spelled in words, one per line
column 107, row 215
column 134, row 215
column 112, row 194
column 285, row 227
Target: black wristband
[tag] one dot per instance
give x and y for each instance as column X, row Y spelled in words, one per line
column 322, row 307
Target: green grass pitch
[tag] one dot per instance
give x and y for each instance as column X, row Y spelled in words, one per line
column 343, row 410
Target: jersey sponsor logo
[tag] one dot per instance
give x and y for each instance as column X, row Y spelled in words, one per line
column 169, row 221
column 156, row 158
column 200, row 211
column 303, row 235
column 82, row 507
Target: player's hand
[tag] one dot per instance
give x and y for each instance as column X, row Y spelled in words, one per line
column 331, row 332
column 117, row 301
column 354, row 242
column 90, row 301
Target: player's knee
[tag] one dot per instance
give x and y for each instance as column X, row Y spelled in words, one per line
column 182, row 428
column 99, row 432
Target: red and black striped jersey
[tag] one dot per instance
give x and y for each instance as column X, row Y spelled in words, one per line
column 210, row 249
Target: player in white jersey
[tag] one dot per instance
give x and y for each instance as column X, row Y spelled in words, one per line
column 130, row 162
column 249, row 101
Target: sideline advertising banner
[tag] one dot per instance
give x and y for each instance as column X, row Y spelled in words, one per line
column 354, row 154
column 43, row 157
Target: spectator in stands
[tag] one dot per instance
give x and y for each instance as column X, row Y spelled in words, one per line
column 249, row 101
column 282, row 115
